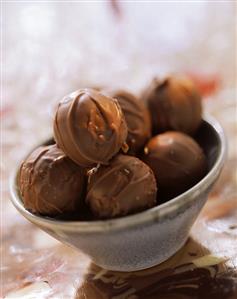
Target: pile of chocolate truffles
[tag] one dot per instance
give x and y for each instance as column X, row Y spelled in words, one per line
column 116, row 154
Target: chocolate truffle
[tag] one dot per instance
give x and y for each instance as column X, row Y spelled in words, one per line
column 174, row 104
column 89, row 127
column 125, row 186
column 177, row 161
column 137, row 118
column 50, row 183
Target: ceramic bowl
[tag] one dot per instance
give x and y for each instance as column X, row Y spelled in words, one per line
column 145, row 239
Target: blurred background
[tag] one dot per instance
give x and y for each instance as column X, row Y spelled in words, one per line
column 51, row 48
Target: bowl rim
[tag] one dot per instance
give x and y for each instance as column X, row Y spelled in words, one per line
column 156, row 213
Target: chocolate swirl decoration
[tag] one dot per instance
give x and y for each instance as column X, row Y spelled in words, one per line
column 50, row 183
column 182, row 282
column 137, row 118
column 125, row 186
column 89, row 127
column 174, row 104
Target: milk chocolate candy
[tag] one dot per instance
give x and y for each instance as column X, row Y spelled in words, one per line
column 137, row 118
column 89, row 127
column 177, row 161
column 174, row 104
column 125, row 186
column 50, row 183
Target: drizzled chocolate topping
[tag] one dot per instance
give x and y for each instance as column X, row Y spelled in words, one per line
column 89, row 127
column 137, row 118
column 125, row 186
column 50, row 183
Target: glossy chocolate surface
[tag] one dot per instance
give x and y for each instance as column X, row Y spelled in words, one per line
column 177, row 161
column 174, row 104
column 125, row 186
column 178, row 278
column 50, row 183
column 137, row 118
column 89, row 127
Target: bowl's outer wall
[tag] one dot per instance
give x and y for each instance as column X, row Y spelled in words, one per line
column 150, row 242
column 138, row 247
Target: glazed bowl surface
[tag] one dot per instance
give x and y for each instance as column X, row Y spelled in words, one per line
column 144, row 239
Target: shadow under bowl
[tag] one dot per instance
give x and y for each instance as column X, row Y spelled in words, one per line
column 144, row 239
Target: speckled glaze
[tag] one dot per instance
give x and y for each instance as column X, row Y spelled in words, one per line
column 145, row 239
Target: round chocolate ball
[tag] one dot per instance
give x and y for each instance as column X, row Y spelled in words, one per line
column 174, row 104
column 125, row 186
column 177, row 161
column 89, row 127
column 50, row 183
column 137, row 118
